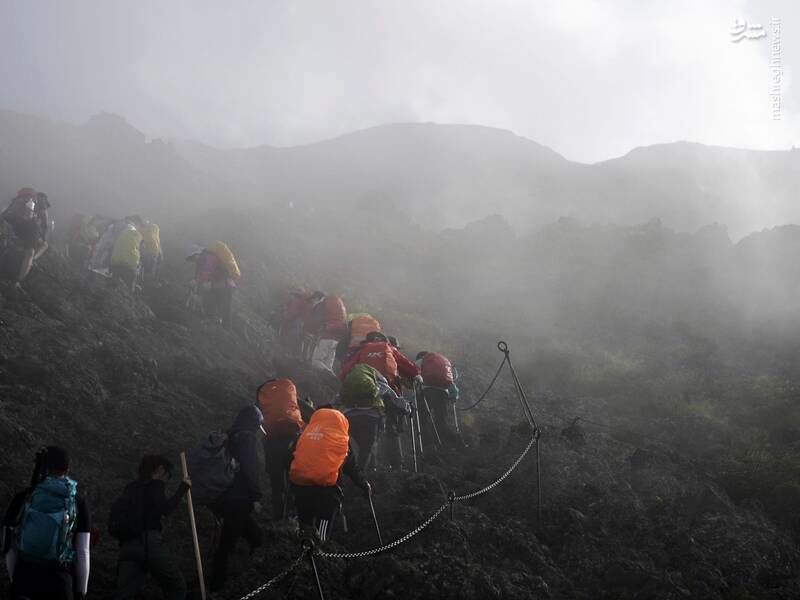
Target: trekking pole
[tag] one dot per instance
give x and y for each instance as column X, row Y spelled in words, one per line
column 374, row 517
column 413, row 442
column 433, row 422
column 455, row 419
column 308, row 546
column 194, row 530
column 419, row 429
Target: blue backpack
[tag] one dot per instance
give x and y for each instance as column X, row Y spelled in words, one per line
column 45, row 531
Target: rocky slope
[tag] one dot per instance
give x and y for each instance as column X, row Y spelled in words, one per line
column 626, row 513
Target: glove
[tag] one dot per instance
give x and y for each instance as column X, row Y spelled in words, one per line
column 187, row 481
column 257, row 508
column 418, row 379
column 407, row 411
column 367, row 490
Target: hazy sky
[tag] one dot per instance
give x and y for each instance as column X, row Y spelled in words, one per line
column 590, row 79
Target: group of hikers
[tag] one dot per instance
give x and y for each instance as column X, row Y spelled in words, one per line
column 307, row 448
column 127, row 249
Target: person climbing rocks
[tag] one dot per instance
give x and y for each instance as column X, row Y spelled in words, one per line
column 377, row 351
column 152, row 256
column 126, row 256
column 135, row 521
column 441, row 392
column 293, row 318
column 236, row 504
column 359, row 326
column 216, row 275
column 27, row 214
column 46, row 532
column 283, row 422
column 319, row 457
column 367, row 397
column 328, row 327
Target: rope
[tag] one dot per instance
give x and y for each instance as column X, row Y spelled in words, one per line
column 488, row 389
column 262, row 588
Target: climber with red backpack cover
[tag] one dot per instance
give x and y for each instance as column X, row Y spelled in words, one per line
column 440, row 391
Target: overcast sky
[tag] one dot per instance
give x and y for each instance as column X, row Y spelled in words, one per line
column 590, row 79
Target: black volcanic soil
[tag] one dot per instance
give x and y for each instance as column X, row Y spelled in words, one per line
column 85, row 365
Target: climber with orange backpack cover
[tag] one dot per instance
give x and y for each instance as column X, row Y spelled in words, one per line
column 328, row 328
column 277, row 399
column 319, row 457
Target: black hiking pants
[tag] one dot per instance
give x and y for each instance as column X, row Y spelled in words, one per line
column 392, row 443
column 317, row 507
column 442, row 410
column 41, row 582
column 364, row 430
column 237, row 521
column 148, row 555
column 277, row 449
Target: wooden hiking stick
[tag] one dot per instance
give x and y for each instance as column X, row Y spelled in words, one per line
column 194, row 531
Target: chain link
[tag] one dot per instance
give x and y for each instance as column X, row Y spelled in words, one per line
column 262, row 588
column 388, row 546
column 502, row 477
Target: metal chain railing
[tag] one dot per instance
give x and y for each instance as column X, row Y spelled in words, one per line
column 488, row 389
column 262, row 588
column 452, row 497
column 390, row 545
column 502, row 477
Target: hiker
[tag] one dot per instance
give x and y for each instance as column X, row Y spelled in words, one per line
column 27, row 215
column 441, row 393
column 294, row 316
column 100, row 258
column 377, row 351
column 328, row 326
column 216, row 276
column 126, row 256
column 319, row 456
column 277, row 399
column 47, row 534
column 135, row 521
column 359, row 326
column 84, row 233
column 152, row 257
column 367, row 398
column 235, row 506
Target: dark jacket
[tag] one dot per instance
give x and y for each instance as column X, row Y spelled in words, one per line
column 243, row 446
column 155, row 501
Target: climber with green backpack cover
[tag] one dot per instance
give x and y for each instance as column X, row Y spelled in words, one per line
column 46, row 528
column 364, row 397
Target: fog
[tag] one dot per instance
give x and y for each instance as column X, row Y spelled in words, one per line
column 606, row 186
